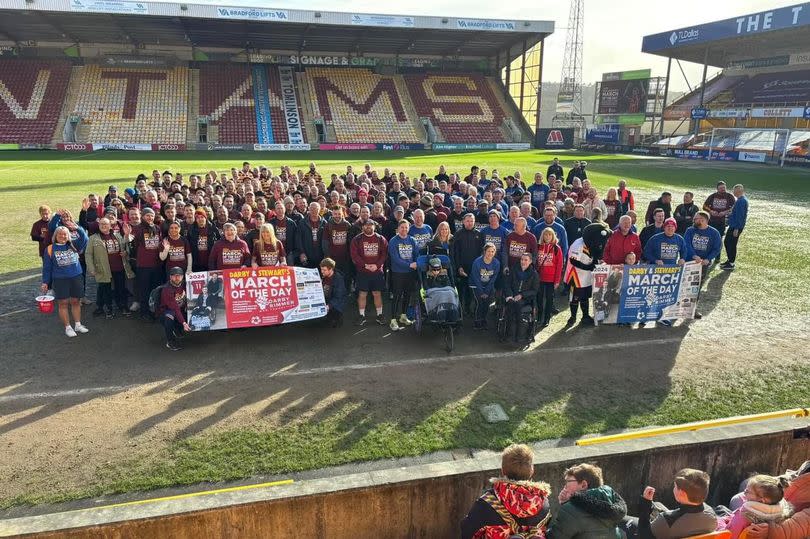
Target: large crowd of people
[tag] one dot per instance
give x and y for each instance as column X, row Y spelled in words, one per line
column 515, row 506
column 508, row 239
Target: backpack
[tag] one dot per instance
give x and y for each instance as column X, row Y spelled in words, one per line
column 154, row 298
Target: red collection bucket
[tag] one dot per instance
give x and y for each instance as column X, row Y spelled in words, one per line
column 45, row 304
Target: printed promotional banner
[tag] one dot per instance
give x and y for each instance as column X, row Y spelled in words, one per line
column 252, row 13
column 630, row 294
column 778, row 112
column 785, row 87
column 754, row 157
column 109, row 6
column 348, row 146
column 608, row 133
column 623, row 95
column 388, row 21
column 486, row 25
column 295, row 131
column 555, row 138
column 281, row 147
column 251, row 297
column 440, row 146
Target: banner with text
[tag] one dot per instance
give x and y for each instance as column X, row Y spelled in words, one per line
column 630, row 294
column 250, row 297
column 290, row 100
column 624, row 92
column 554, row 138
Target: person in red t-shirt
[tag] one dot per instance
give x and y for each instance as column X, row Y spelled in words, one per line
column 518, row 242
column 268, row 250
column 369, row 252
column 176, row 251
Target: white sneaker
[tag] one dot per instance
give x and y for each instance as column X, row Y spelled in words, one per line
column 86, row 301
column 135, row 307
column 69, row 331
column 80, row 328
column 393, row 325
column 403, row 320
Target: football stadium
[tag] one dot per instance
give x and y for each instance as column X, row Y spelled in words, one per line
column 282, row 272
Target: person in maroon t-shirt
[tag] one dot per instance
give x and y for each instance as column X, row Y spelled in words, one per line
column 518, row 242
column 268, row 250
column 229, row 252
column 145, row 239
column 369, row 252
column 176, row 251
column 39, row 230
column 171, row 309
column 335, row 242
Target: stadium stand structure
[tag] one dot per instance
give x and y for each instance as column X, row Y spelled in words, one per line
column 362, row 106
column 462, row 107
column 134, row 105
column 226, row 98
column 31, row 96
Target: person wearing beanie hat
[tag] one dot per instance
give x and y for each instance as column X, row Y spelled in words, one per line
column 146, row 240
column 667, row 247
column 130, row 198
column 171, row 309
column 112, row 193
column 202, row 234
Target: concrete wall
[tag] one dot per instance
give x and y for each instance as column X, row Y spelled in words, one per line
column 429, row 501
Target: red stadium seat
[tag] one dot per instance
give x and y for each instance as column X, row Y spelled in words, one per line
column 31, row 96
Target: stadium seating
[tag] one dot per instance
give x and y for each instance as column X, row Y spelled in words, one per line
column 362, row 106
column 462, row 106
column 126, row 105
column 226, row 97
column 31, row 97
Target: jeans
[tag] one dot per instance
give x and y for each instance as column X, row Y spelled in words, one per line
column 170, row 326
column 481, row 305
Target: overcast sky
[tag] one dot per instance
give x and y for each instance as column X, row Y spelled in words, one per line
column 613, row 29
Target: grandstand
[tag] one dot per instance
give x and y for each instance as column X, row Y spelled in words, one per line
column 174, row 75
column 758, row 102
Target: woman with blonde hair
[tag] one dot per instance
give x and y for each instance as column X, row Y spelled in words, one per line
column 268, row 250
column 61, row 268
column 440, row 244
column 549, row 267
column 614, row 208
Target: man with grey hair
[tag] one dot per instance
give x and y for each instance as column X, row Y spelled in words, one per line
column 310, row 236
column 621, row 243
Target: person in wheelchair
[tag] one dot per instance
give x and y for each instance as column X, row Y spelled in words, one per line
column 520, row 292
column 204, row 306
column 441, row 299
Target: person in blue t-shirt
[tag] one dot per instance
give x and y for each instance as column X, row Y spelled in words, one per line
column 420, row 232
column 495, row 233
column 539, row 192
column 485, row 271
column 62, row 271
column 705, row 243
column 736, row 224
column 402, row 252
column 549, row 220
column 667, row 247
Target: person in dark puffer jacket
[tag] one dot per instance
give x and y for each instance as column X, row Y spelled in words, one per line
column 589, row 508
column 513, row 505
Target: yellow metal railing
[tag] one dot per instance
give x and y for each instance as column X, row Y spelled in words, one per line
column 699, row 425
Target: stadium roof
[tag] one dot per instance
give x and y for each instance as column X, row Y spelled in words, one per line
column 267, row 29
column 776, row 31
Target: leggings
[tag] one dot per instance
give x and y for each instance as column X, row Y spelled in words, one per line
column 545, row 301
column 147, row 280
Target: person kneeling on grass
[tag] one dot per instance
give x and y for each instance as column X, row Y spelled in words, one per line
column 171, row 307
column 334, row 292
column 514, row 505
column 691, row 517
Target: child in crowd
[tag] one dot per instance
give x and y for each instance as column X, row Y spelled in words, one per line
column 764, row 503
column 630, row 258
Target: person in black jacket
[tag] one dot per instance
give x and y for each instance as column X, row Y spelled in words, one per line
column 520, row 290
column 201, row 236
column 555, row 169
column 310, row 236
column 576, row 224
column 466, row 247
column 286, row 232
column 334, row 292
column 685, row 213
column 664, row 202
column 514, row 504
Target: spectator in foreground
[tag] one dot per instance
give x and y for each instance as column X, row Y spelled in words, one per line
column 589, row 509
column 691, row 517
column 797, row 494
column 764, row 496
column 514, row 504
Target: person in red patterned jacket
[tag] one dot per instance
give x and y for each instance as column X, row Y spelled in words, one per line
column 369, row 252
column 514, row 505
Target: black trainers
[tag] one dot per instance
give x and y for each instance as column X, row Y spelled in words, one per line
column 728, row 266
column 587, row 321
column 109, row 314
column 571, row 321
column 173, row 346
column 698, row 316
column 98, row 312
column 380, row 320
column 361, row 321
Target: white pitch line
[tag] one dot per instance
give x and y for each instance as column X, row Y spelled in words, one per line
column 342, row 368
column 18, row 311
